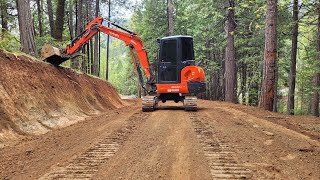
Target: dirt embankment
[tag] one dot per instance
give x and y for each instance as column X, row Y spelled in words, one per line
column 36, row 97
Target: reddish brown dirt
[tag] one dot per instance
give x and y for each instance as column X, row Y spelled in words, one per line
column 219, row 141
column 308, row 125
column 36, row 97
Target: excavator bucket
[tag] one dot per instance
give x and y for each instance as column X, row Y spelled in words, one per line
column 53, row 55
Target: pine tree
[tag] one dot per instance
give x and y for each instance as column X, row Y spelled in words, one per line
column 59, row 23
column 26, row 27
column 270, row 58
column 230, row 59
column 292, row 77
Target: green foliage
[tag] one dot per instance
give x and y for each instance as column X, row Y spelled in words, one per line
column 122, row 74
column 150, row 24
column 306, row 67
column 9, row 42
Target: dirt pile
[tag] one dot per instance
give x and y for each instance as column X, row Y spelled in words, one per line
column 36, row 97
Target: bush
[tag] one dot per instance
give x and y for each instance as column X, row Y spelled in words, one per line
column 9, row 42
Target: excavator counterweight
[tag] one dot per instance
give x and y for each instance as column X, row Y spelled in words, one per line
column 178, row 78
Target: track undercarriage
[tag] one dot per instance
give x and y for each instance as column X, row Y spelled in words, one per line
column 150, row 103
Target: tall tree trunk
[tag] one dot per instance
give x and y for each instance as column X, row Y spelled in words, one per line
column 253, row 92
column 26, row 27
column 90, row 10
column 108, row 41
column 39, row 10
column 91, row 54
column 70, row 20
column 88, row 47
column 80, row 19
column 230, row 61
column 275, row 101
column 270, row 58
column 243, row 81
column 215, row 88
column 59, row 20
column 51, row 20
column 222, row 75
column 315, row 102
column 4, row 17
column 96, row 45
column 79, row 27
column 293, row 71
column 170, row 15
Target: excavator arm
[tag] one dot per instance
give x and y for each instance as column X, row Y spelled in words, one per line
column 131, row 39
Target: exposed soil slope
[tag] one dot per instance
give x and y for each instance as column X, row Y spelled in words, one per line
column 36, row 97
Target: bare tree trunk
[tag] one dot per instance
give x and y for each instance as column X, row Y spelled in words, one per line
column 253, row 92
column 108, row 42
column 91, row 54
column 51, row 20
column 96, row 45
column 270, row 58
column 4, row 17
column 80, row 19
column 70, row 19
column 293, row 71
column 230, row 61
column 26, row 27
column 215, row 88
column 222, row 75
column 275, row 101
column 315, row 102
column 88, row 47
column 39, row 10
column 170, row 16
column 79, row 27
column 90, row 15
column 243, row 81
column 59, row 20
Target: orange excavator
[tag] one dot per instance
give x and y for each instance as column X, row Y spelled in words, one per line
column 177, row 79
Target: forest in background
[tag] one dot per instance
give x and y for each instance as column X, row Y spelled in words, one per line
column 231, row 40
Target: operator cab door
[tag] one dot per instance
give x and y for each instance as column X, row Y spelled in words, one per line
column 167, row 66
column 187, row 52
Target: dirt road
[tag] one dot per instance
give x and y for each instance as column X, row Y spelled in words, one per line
column 220, row 141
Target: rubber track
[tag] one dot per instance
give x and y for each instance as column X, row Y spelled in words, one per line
column 220, row 154
column 190, row 103
column 148, row 103
column 86, row 165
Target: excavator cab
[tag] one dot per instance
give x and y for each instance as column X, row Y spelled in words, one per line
column 176, row 52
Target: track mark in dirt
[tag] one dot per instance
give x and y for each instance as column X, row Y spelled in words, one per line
column 263, row 124
column 86, row 165
column 220, row 154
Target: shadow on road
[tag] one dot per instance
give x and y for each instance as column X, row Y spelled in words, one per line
column 177, row 108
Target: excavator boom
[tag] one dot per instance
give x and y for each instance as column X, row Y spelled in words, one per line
column 57, row 56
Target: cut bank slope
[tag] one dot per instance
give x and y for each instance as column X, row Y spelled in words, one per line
column 36, row 97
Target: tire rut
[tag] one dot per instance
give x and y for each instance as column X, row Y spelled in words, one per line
column 220, row 155
column 86, row 165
